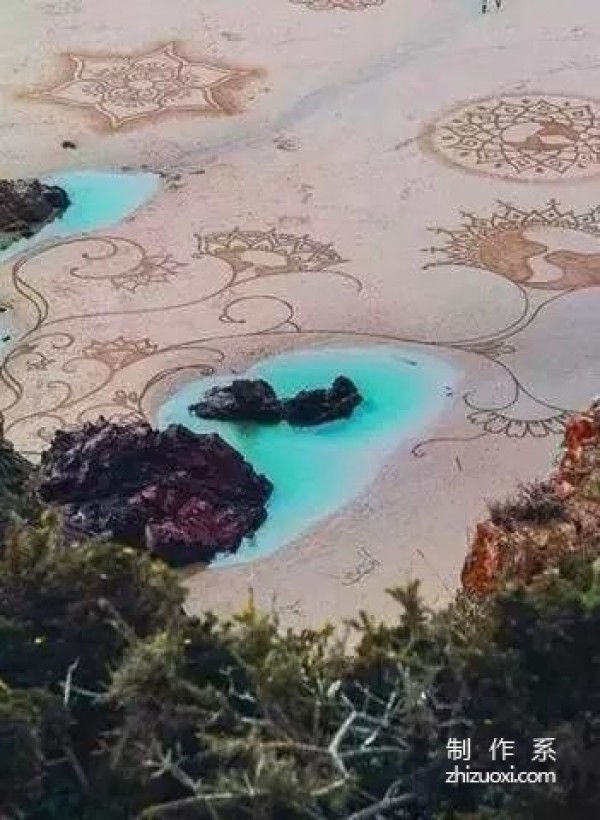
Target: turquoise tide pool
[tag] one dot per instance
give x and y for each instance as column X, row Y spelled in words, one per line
column 99, row 200
column 318, row 470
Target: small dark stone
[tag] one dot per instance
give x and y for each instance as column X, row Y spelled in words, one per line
column 68, row 144
column 310, row 407
column 181, row 495
column 243, row 400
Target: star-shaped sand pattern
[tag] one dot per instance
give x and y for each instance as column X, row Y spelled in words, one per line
column 122, row 89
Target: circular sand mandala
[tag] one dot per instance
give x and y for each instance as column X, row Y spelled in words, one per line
column 525, row 138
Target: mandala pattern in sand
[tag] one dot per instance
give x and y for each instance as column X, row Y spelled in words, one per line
column 533, row 138
column 537, row 249
column 126, row 89
column 268, row 252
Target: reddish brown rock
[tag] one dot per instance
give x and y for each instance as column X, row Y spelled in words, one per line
column 182, row 495
column 546, row 522
column 482, row 566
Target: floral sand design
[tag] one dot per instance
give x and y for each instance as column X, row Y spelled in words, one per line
column 512, row 241
column 525, row 138
column 127, row 89
column 547, row 253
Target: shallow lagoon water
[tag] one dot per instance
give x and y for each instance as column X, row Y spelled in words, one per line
column 318, row 470
column 98, row 200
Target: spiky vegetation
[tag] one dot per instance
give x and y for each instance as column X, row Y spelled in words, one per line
column 115, row 705
column 534, row 503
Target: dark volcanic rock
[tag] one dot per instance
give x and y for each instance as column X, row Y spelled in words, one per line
column 242, row 400
column 182, row 495
column 26, row 205
column 310, row 407
column 255, row 400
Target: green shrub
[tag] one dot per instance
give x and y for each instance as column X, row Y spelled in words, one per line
column 116, row 705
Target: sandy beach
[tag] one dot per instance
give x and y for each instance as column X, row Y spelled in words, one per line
column 331, row 172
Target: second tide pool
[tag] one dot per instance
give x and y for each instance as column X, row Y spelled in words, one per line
column 318, row 470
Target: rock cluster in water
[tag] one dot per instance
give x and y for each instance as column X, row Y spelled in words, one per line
column 26, row 205
column 254, row 400
column 181, row 495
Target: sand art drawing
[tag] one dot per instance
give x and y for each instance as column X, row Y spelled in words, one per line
column 531, row 138
column 106, row 362
column 549, row 254
column 268, row 252
column 534, row 248
column 127, row 89
column 366, row 564
column 88, row 365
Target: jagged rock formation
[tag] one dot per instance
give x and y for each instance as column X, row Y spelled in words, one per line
column 546, row 522
column 310, row 407
column 243, row 400
column 183, row 496
column 256, row 401
column 26, row 205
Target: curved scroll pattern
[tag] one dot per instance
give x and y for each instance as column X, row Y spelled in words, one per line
column 145, row 320
column 67, row 367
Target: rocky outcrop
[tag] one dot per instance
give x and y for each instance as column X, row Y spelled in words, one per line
column 26, row 205
column 183, row 496
column 546, row 522
column 243, row 400
column 246, row 400
column 310, row 407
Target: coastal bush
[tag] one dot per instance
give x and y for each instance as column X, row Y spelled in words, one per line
column 18, row 500
column 114, row 704
column 534, row 503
